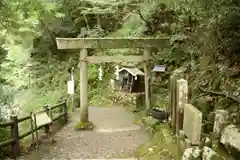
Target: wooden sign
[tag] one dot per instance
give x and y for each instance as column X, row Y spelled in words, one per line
column 42, row 119
column 70, row 87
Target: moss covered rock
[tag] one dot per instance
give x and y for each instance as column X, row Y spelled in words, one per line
column 81, row 126
column 194, row 154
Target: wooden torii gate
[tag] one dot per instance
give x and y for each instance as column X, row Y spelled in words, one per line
column 109, row 43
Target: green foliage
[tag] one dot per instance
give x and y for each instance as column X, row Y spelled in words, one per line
column 5, row 135
column 160, row 146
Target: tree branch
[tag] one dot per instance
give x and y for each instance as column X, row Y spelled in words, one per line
column 141, row 16
column 220, row 94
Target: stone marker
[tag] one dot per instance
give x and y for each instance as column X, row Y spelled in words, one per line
column 182, row 93
column 192, row 124
column 221, row 117
column 177, row 74
column 181, row 101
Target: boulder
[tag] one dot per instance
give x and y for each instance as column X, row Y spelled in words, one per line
column 194, row 154
column 230, row 138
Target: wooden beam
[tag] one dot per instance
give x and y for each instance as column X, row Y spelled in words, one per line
column 110, row 42
column 106, row 59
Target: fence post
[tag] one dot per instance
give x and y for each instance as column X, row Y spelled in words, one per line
column 61, row 108
column 15, row 136
column 65, row 110
column 47, row 110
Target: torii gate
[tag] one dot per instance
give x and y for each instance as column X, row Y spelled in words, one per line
column 109, row 43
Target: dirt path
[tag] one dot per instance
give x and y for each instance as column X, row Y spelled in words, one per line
column 115, row 137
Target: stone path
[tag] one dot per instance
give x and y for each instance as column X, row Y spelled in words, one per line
column 115, row 137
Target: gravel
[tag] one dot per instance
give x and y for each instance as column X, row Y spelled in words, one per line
column 120, row 141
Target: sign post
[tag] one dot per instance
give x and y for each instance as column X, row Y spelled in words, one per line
column 70, row 87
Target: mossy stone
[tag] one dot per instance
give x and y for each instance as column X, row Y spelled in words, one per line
column 81, row 126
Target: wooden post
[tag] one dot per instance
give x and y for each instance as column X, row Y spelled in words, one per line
column 86, row 21
column 46, row 127
column 147, row 55
column 98, row 21
column 60, row 101
column 47, row 110
column 65, row 110
column 83, row 86
column 32, row 128
column 15, row 136
column 170, row 96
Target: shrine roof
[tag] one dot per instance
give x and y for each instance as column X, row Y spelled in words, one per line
column 132, row 71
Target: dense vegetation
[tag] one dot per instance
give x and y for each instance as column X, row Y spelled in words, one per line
column 205, row 40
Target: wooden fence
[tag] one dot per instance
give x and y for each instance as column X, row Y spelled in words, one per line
column 14, row 121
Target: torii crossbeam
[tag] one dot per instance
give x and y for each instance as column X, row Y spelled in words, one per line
column 109, row 43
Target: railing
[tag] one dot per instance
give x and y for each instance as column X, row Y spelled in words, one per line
column 14, row 121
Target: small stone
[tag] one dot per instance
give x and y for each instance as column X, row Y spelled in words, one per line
column 208, row 142
column 187, row 143
column 182, row 135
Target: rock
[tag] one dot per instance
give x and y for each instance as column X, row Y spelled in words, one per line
column 208, row 142
column 230, row 138
column 160, row 114
column 182, row 135
column 187, row 143
column 194, row 154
